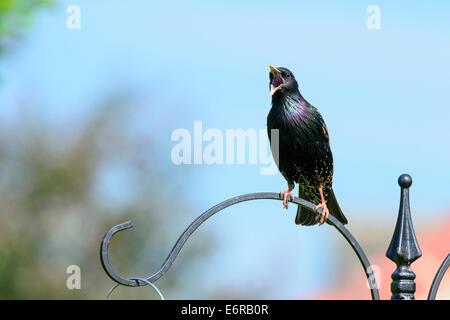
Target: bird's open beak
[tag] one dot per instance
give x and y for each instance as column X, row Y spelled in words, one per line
column 273, row 69
column 277, row 80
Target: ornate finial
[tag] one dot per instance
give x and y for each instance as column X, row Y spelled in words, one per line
column 405, row 181
column 404, row 248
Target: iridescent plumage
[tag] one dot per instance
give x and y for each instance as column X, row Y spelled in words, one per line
column 304, row 148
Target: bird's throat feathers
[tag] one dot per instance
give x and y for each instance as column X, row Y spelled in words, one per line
column 291, row 110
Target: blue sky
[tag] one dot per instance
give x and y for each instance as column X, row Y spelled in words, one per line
column 383, row 94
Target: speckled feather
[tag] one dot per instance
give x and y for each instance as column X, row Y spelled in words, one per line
column 304, row 150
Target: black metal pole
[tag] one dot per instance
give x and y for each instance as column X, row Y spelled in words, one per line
column 403, row 249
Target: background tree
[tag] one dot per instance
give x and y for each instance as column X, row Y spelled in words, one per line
column 63, row 185
column 15, row 17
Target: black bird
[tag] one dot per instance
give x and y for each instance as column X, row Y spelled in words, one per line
column 303, row 154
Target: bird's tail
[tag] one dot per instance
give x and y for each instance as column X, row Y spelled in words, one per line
column 307, row 217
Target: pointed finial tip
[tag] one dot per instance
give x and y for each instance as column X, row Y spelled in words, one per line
column 405, row 180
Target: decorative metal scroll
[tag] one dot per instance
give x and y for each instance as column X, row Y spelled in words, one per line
column 403, row 249
column 202, row 218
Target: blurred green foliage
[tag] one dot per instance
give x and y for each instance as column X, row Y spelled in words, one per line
column 58, row 199
column 15, row 17
column 59, row 193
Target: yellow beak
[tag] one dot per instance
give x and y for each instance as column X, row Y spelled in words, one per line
column 273, row 69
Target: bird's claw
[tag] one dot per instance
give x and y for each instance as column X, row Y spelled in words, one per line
column 325, row 212
column 284, row 194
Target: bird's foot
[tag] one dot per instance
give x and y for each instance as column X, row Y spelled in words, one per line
column 284, row 194
column 325, row 212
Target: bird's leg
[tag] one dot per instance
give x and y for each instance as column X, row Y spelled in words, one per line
column 324, row 207
column 286, row 193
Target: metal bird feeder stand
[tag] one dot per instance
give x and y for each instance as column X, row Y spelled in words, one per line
column 403, row 249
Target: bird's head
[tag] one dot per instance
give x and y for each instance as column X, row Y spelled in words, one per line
column 282, row 81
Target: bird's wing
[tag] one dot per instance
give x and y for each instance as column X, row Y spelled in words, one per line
column 320, row 124
column 325, row 131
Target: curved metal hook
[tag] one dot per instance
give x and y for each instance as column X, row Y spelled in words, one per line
column 437, row 279
column 108, row 294
column 207, row 214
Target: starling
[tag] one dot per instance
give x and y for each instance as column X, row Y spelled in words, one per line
column 304, row 154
